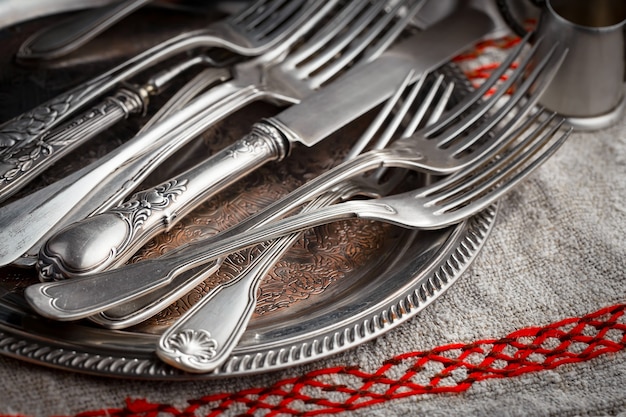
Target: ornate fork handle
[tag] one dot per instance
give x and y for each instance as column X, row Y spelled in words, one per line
column 82, row 297
column 149, row 212
column 219, row 319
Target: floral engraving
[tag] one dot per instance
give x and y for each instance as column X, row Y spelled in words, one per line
column 31, row 124
column 142, row 205
column 23, row 159
column 262, row 139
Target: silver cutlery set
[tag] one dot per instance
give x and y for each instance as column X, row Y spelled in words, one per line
column 433, row 155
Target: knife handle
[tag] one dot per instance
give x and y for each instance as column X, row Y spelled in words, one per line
column 110, row 238
column 35, row 123
column 19, row 167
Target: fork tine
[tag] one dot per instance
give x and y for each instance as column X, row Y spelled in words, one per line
column 480, row 188
column 442, row 103
column 514, row 177
column 472, row 98
column 248, row 11
column 325, row 34
column 325, row 52
column 416, row 120
column 276, row 15
column 418, row 116
column 260, row 13
column 380, row 118
column 385, row 137
column 391, row 35
column 539, row 80
column 366, row 41
column 474, row 116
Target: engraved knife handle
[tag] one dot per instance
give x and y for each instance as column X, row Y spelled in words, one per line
column 110, row 238
column 35, row 123
column 21, row 166
column 28, row 222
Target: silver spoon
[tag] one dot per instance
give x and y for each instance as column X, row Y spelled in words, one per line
column 62, row 38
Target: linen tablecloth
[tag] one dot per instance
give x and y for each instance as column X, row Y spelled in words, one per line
column 535, row 327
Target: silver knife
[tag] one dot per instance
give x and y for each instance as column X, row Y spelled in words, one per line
column 308, row 122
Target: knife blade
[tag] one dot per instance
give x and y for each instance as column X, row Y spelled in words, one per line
column 340, row 102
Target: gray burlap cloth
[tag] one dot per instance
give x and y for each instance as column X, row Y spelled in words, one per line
column 535, row 327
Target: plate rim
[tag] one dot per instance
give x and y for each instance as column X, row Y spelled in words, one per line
column 431, row 281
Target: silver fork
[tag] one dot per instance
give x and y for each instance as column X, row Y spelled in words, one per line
column 441, row 204
column 104, row 183
column 472, row 142
column 224, row 313
column 359, row 32
column 144, row 307
column 261, row 27
column 136, row 280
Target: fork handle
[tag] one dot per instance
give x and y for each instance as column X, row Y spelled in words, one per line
column 222, row 316
column 77, row 251
column 86, row 296
column 80, row 248
column 205, row 336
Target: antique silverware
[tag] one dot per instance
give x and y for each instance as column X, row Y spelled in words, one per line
column 440, row 204
column 67, row 36
column 462, row 137
column 144, row 307
column 402, row 153
column 261, row 27
column 19, row 167
column 224, row 313
column 106, row 181
column 14, row 11
column 344, row 100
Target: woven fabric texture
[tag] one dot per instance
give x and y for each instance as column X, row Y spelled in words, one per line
column 536, row 326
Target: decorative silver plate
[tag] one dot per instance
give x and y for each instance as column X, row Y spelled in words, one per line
column 339, row 286
column 349, row 313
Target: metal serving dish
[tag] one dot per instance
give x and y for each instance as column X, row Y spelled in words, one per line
column 340, row 285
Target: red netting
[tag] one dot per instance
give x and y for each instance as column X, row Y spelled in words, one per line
column 451, row 368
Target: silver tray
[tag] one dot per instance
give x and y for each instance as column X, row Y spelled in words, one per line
column 353, row 311
column 339, row 286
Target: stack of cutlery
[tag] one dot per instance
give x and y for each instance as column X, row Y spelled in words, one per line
column 435, row 153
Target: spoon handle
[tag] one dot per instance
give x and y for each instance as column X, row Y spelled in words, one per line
column 61, row 39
